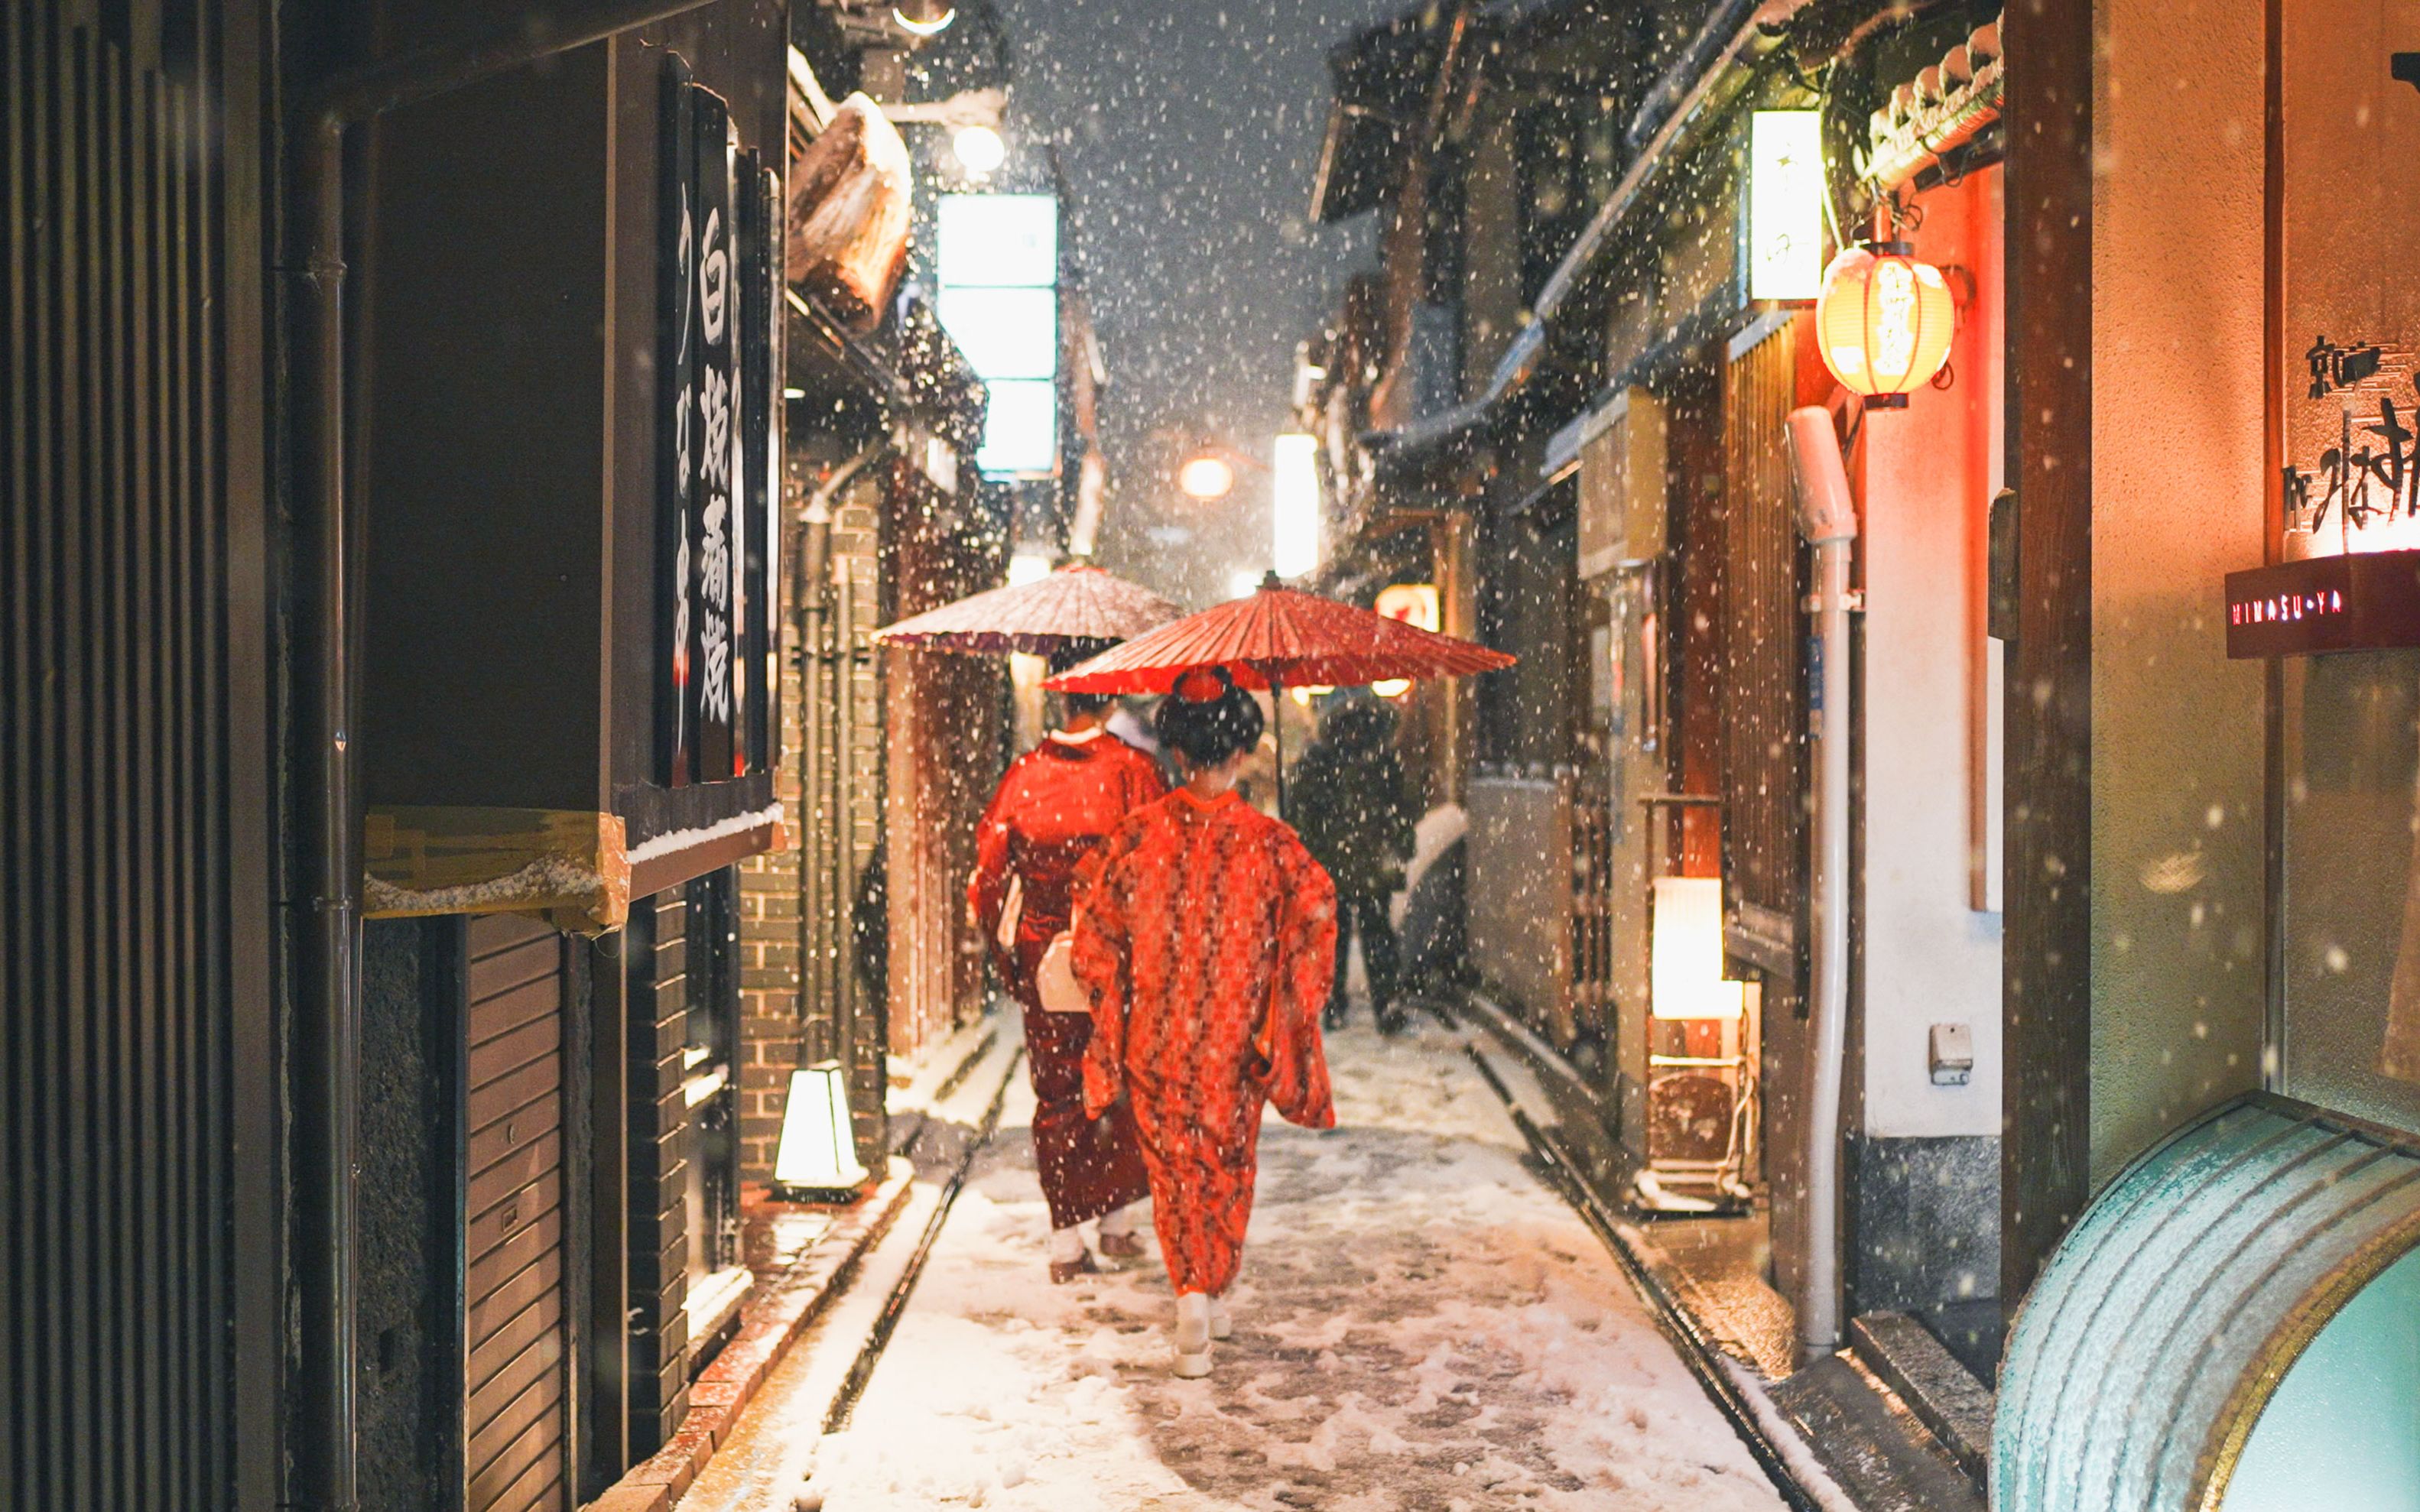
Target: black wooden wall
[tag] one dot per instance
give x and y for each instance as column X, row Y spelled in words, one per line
column 517, row 1403
column 139, row 1162
column 656, row 948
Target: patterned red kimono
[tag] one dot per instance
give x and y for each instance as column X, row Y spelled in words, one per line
column 1207, row 935
column 1052, row 807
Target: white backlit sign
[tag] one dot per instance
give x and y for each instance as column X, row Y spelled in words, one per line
column 1020, row 428
column 1295, row 504
column 1005, row 333
column 998, row 256
column 998, row 241
column 1785, row 205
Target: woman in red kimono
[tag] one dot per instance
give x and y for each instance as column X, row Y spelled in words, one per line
column 1052, row 807
column 1206, row 935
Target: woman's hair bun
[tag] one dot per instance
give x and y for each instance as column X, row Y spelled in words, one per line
column 1206, row 719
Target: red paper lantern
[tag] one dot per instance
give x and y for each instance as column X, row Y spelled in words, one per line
column 1884, row 322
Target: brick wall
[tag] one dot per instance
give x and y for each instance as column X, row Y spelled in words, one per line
column 802, row 1009
column 857, row 553
column 771, row 1024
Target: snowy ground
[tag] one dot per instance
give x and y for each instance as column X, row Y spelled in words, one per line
column 1419, row 1324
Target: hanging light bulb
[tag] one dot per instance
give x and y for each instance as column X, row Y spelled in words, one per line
column 1206, row 476
column 978, row 148
column 1884, row 322
column 925, row 18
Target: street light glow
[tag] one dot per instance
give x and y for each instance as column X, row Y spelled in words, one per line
column 979, row 149
column 1295, row 506
column 1206, row 477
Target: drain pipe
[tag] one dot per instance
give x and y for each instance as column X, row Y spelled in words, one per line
column 325, row 902
column 811, row 598
column 1828, row 516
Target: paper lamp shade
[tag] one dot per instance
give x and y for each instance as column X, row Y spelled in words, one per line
column 818, row 1151
column 1884, row 322
column 1685, row 962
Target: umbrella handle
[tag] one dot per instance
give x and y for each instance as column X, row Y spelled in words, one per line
column 1276, row 719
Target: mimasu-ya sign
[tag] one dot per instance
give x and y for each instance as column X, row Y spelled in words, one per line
column 715, row 381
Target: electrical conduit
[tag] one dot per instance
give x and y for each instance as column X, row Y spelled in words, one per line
column 1828, row 516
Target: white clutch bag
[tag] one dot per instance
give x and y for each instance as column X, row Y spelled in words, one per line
column 1011, row 906
column 1054, row 977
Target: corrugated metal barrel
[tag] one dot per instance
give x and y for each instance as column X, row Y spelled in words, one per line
column 2165, row 1323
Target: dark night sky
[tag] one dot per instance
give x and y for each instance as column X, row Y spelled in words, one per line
column 1188, row 131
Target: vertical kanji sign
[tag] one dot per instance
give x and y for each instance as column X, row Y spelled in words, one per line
column 714, row 325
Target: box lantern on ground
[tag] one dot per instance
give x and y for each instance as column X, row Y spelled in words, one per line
column 998, row 264
column 817, row 1161
column 1685, row 965
column 1700, row 1057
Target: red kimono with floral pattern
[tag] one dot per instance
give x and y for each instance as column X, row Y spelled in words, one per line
column 1053, row 807
column 1207, row 936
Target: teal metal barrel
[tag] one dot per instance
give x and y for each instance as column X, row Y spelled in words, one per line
column 2177, row 1351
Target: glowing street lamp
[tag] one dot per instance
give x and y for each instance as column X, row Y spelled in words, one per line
column 1206, row 476
column 979, row 149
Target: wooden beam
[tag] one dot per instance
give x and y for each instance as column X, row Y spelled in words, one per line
column 567, row 864
column 670, row 868
column 2046, row 983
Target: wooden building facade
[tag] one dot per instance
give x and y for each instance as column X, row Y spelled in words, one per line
column 1605, row 480
column 414, row 578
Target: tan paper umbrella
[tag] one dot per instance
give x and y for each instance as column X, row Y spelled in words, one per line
column 1079, row 603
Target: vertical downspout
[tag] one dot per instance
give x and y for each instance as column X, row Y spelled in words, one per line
column 810, row 604
column 327, row 1030
column 325, row 631
column 1828, row 516
column 825, row 900
column 844, row 910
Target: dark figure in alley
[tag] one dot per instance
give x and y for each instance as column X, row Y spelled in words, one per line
column 1352, row 805
column 1053, row 806
column 1206, row 933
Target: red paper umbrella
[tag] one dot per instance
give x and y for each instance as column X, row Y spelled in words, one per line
column 1282, row 638
column 1074, row 603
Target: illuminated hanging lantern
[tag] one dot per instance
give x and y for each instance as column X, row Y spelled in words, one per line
column 1884, row 322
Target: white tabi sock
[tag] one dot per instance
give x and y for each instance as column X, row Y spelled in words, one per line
column 1193, row 1324
column 1121, row 1221
column 1067, row 1244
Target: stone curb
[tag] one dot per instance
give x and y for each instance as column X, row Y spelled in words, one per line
column 770, row 1323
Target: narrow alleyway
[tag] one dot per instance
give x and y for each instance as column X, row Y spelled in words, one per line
column 1420, row 1323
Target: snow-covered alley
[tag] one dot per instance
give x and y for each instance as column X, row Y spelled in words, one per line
column 1420, row 1323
